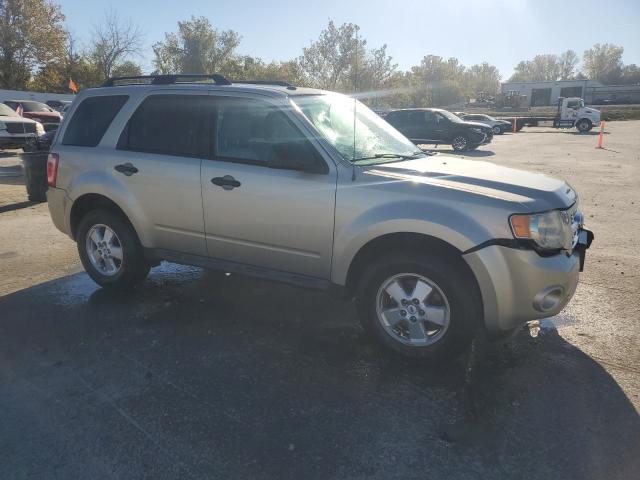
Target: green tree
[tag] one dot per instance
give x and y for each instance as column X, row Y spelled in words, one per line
column 32, row 37
column 630, row 75
column 483, row 78
column 603, row 62
column 197, row 47
column 333, row 60
column 127, row 69
column 539, row 68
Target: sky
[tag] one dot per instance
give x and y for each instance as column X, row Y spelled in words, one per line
column 501, row 32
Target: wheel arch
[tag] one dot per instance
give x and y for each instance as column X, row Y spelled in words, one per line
column 93, row 201
column 403, row 242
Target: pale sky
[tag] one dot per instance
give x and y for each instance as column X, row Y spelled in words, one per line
column 501, row 32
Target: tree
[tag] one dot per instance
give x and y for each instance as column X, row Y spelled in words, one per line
column 331, row 62
column 603, row 62
column 32, row 36
column 483, row 78
column 127, row 69
column 539, row 68
column 114, row 42
column 197, row 47
column 567, row 63
column 630, row 75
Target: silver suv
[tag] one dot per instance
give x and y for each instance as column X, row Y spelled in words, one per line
column 312, row 188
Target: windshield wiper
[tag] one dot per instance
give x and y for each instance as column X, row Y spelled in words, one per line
column 390, row 155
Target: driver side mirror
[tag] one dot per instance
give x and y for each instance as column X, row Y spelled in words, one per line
column 299, row 156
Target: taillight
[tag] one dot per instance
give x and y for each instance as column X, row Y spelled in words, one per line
column 52, row 168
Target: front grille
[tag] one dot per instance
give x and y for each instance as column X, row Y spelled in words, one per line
column 20, row 127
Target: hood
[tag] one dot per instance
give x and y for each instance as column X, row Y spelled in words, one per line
column 592, row 111
column 53, row 116
column 481, row 125
column 534, row 191
column 7, row 118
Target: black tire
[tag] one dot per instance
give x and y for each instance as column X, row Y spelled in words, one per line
column 453, row 280
column 584, row 125
column 497, row 130
column 134, row 267
column 460, row 142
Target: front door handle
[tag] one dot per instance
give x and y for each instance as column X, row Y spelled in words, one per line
column 227, row 182
column 127, row 168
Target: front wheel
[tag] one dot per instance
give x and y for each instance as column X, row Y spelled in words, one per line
column 460, row 143
column 584, row 125
column 110, row 251
column 421, row 306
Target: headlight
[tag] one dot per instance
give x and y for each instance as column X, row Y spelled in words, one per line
column 477, row 130
column 549, row 230
column 39, row 129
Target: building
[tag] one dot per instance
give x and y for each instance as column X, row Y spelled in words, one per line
column 547, row 92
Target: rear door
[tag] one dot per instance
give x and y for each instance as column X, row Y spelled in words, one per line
column 157, row 163
column 279, row 219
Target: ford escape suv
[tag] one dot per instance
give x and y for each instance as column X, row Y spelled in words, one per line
column 312, row 188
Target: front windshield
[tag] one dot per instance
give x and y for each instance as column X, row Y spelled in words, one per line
column 6, row 111
column 450, row 116
column 374, row 141
column 35, row 107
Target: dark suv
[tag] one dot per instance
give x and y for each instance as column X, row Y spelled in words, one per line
column 436, row 126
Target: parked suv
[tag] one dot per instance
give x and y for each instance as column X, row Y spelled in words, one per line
column 273, row 181
column 433, row 125
column 16, row 131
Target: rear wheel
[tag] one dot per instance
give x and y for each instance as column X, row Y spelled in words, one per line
column 584, row 125
column 418, row 305
column 460, row 143
column 110, row 251
column 497, row 130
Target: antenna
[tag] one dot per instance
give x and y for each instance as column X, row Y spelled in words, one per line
column 355, row 103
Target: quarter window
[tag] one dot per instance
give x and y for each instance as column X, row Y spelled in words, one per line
column 91, row 119
column 169, row 125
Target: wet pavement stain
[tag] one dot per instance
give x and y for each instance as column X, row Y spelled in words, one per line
column 199, row 374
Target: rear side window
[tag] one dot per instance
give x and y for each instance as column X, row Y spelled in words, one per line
column 91, row 119
column 169, row 125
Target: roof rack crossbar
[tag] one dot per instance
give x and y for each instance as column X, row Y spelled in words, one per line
column 277, row 83
column 165, row 79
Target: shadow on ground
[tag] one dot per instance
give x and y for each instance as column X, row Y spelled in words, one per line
column 201, row 375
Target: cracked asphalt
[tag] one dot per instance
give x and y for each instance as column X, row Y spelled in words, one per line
column 198, row 374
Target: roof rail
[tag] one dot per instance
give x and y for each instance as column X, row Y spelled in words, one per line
column 165, row 79
column 277, row 83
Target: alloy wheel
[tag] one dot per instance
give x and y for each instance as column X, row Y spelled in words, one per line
column 104, row 250
column 412, row 309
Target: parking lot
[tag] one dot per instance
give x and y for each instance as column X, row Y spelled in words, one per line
column 203, row 375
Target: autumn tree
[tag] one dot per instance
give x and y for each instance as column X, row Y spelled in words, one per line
column 197, row 47
column 32, row 37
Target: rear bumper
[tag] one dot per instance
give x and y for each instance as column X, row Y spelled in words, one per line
column 519, row 285
column 59, row 209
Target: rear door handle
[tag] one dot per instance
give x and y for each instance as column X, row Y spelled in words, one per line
column 227, row 182
column 127, row 168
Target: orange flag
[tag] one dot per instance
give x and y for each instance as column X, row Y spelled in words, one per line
column 72, row 86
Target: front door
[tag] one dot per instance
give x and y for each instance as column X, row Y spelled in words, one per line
column 280, row 219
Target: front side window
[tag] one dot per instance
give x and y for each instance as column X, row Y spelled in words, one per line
column 169, row 125
column 355, row 131
column 252, row 131
column 91, row 120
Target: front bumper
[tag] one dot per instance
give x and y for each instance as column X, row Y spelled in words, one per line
column 519, row 285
